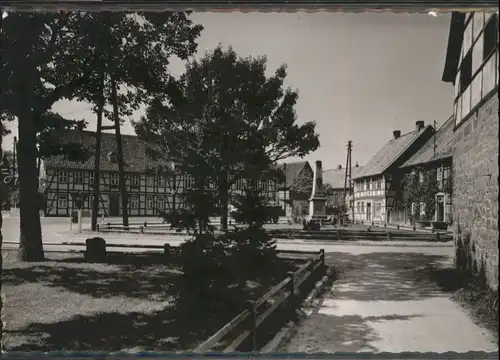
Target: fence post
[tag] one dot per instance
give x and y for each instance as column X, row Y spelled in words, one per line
column 141, row 229
column 437, row 236
column 322, row 259
column 388, row 236
column 97, row 227
column 292, row 301
column 338, row 234
column 253, row 323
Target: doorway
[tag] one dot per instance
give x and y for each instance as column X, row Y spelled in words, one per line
column 440, row 208
column 114, row 205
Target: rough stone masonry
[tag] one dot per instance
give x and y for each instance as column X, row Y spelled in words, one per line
column 475, row 186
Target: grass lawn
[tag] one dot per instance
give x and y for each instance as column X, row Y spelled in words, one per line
column 126, row 304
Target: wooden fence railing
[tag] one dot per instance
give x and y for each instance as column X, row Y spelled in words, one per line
column 374, row 235
column 245, row 327
column 327, row 234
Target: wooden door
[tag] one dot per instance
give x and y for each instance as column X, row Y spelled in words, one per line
column 114, row 205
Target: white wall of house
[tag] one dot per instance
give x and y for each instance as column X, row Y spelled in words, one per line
column 370, row 199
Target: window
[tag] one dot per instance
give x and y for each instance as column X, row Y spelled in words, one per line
column 150, row 181
column 62, row 201
column 161, row 181
column 91, row 178
column 188, row 181
column 161, row 203
column 134, row 202
column 91, row 202
column 239, row 185
column 446, row 173
column 421, row 177
column 62, row 177
column 368, row 184
column 422, row 209
column 265, row 186
column 79, row 177
column 135, row 180
column 362, row 207
column 466, row 72
column 149, row 202
column 379, row 183
column 114, row 180
column 377, row 207
column 490, row 37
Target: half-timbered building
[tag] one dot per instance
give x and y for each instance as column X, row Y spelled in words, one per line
column 68, row 185
column 471, row 65
column 377, row 184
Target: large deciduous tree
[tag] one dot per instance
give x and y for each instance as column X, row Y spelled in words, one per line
column 232, row 117
column 51, row 56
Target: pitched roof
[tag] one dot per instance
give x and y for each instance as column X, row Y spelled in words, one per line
column 390, row 153
column 292, row 171
column 336, row 177
column 442, row 139
column 134, row 152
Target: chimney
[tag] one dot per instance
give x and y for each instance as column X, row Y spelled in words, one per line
column 339, row 167
column 419, row 125
column 317, row 178
column 396, row 134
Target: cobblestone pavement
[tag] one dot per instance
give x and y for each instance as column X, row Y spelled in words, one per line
column 390, row 300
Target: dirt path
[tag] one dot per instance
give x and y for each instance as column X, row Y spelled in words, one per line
column 390, row 302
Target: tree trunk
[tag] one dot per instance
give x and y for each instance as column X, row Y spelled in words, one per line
column 224, row 199
column 119, row 145
column 97, row 160
column 30, row 242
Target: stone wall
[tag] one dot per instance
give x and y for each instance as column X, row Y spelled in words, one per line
column 475, row 190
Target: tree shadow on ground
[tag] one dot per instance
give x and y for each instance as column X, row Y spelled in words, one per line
column 157, row 331
column 392, row 276
column 136, row 281
column 348, row 333
column 133, row 276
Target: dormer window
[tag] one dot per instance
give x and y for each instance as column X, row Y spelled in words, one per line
column 112, row 158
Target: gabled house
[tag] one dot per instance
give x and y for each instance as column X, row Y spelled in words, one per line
column 471, row 65
column 294, row 192
column 434, row 159
column 376, row 186
column 335, row 180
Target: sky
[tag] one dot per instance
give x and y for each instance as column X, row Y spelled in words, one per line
column 359, row 76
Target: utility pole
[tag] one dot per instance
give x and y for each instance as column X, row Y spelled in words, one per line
column 348, row 172
column 434, row 136
column 347, row 177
